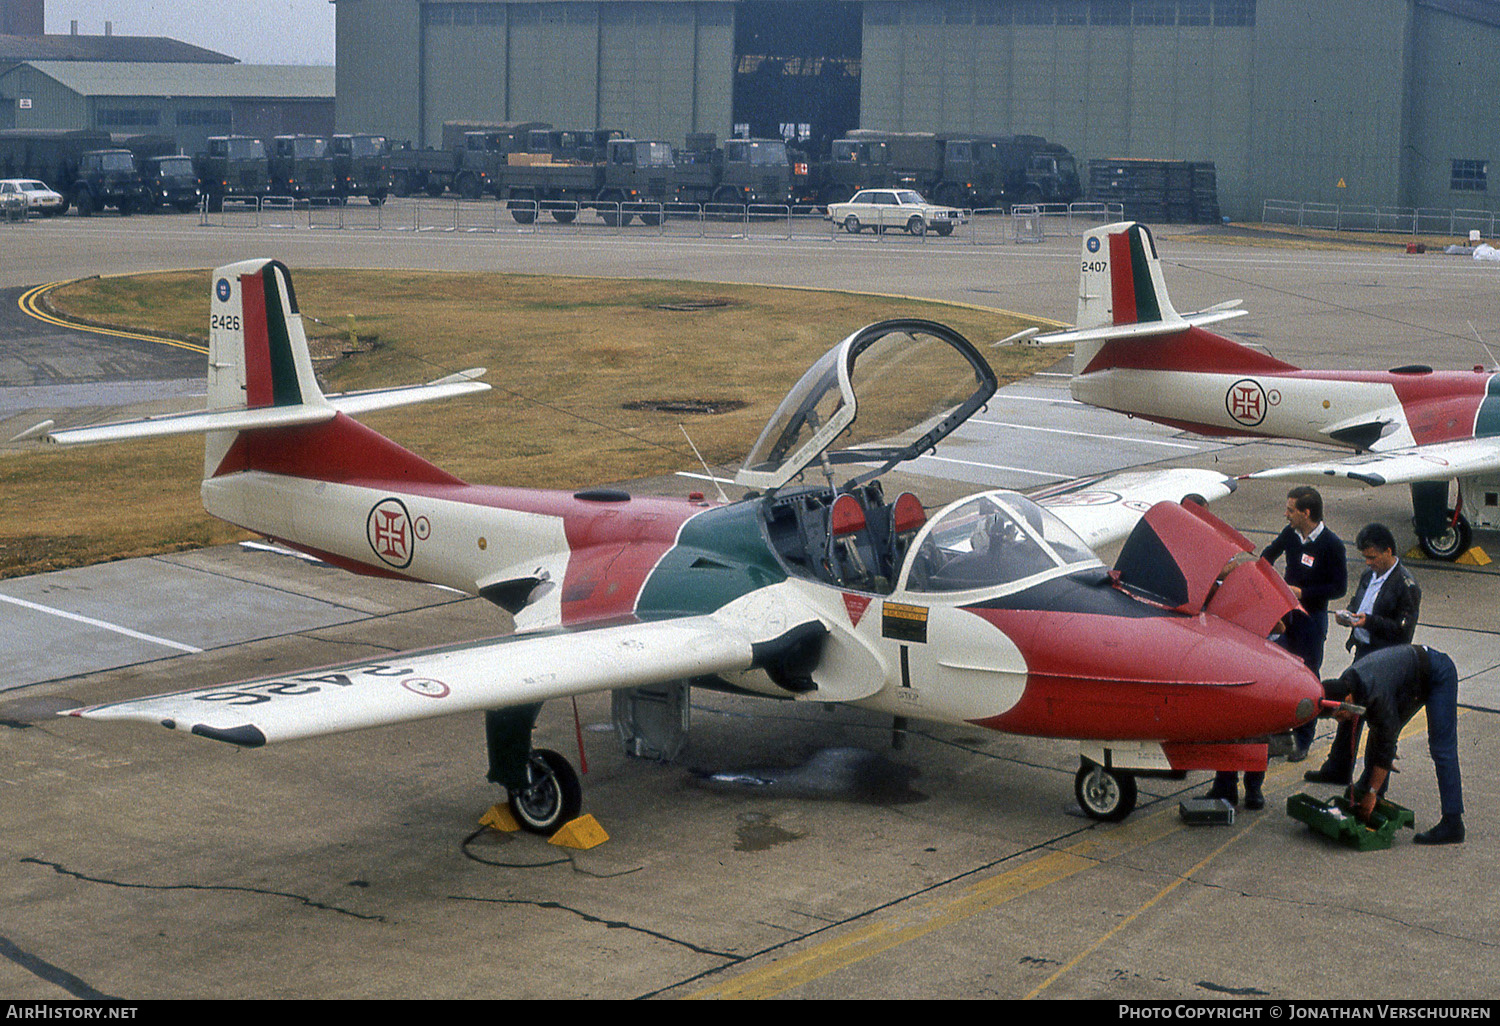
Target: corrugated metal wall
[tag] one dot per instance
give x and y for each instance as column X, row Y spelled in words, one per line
column 1348, row 101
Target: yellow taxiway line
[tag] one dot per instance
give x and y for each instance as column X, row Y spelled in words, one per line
column 824, row 959
column 30, row 305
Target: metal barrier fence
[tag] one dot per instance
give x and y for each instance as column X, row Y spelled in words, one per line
column 1397, row 220
column 991, row 226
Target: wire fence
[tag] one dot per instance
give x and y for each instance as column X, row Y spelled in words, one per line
column 994, row 226
column 1393, row 220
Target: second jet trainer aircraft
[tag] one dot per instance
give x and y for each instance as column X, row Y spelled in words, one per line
column 1133, row 352
column 991, row 611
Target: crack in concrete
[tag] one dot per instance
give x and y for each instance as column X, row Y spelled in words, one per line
column 302, row 899
column 610, row 924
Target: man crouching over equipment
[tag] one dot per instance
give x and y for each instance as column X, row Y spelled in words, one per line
column 1392, row 684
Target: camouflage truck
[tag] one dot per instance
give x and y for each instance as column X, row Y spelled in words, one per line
column 956, row 170
column 743, row 172
column 300, row 166
column 83, row 166
column 633, row 172
column 232, row 167
column 361, row 166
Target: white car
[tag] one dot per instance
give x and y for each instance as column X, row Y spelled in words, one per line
column 39, row 199
column 882, row 209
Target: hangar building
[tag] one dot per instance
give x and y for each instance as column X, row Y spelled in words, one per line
column 1374, row 102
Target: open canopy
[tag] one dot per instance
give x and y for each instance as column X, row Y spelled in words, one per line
column 885, row 394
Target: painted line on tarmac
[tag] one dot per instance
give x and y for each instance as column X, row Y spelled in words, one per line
column 1087, row 434
column 90, row 621
column 919, row 921
column 823, row 960
column 31, row 298
column 1415, row 727
column 997, row 466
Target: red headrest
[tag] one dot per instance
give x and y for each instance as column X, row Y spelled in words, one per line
column 907, row 515
column 847, row 516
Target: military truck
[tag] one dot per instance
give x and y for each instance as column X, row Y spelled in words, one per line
column 952, row 169
column 994, row 171
column 232, row 167
column 300, row 166
column 170, row 181
column 633, row 171
column 472, row 155
column 743, row 172
column 361, row 166
column 83, row 166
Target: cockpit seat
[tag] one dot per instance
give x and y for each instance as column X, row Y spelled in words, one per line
column 852, row 553
column 907, row 518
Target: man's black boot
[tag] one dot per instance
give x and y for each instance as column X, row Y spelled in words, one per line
column 1329, row 773
column 1448, row 830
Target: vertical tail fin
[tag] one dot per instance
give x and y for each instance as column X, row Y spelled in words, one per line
column 257, row 351
column 1120, row 280
column 261, row 388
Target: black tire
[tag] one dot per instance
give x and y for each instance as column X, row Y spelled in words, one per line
column 1104, row 794
column 949, row 196
column 564, row 216
column 851, row 225
column 944, row 230
column 376, row 199
column 553, row 798
column 917, row 225
column 522, row 208
column 83, row 202
column 469, row 187
column 1451, row 542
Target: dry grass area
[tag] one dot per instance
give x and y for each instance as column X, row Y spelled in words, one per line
column 565, row 356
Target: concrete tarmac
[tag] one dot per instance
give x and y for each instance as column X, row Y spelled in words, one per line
column 792, row 851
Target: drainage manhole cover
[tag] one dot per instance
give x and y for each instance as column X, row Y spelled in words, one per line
column 687, row 305
column 687, row 405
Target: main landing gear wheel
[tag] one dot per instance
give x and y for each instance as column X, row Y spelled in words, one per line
column 552, row 796
column 1104, row 794
column 1452, row 541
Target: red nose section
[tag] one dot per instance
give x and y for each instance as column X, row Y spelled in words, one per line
column 1168, row 679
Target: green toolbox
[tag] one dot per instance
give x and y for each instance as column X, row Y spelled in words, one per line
column 1335, row 818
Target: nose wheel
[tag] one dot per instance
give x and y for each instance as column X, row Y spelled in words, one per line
column 1104, row 794
column 551, row 796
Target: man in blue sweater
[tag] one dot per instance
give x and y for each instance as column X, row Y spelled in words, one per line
column 1316, row 573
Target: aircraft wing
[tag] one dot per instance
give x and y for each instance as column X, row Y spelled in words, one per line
column 1105, row 509
column 491, row 674
column 1437, row 462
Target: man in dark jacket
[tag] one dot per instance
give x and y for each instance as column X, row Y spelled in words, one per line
column 1316, row 573
column 1383, row 612
column 1392, row 683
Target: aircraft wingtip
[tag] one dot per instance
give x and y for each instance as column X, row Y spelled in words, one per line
column 35, row 431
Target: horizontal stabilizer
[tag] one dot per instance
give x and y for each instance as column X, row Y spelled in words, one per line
column 188, row 423
column 1440, row 462
column 1146, row 329
column 262, row 417
column 463, row 383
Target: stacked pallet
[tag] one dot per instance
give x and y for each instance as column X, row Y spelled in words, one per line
column 1159, row 191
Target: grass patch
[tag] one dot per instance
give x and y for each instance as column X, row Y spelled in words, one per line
column 566, row 357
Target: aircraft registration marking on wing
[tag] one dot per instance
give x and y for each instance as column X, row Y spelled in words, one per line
column 903, row 622
column 259, row 692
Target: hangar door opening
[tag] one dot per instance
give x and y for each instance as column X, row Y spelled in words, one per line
column 796, row 70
